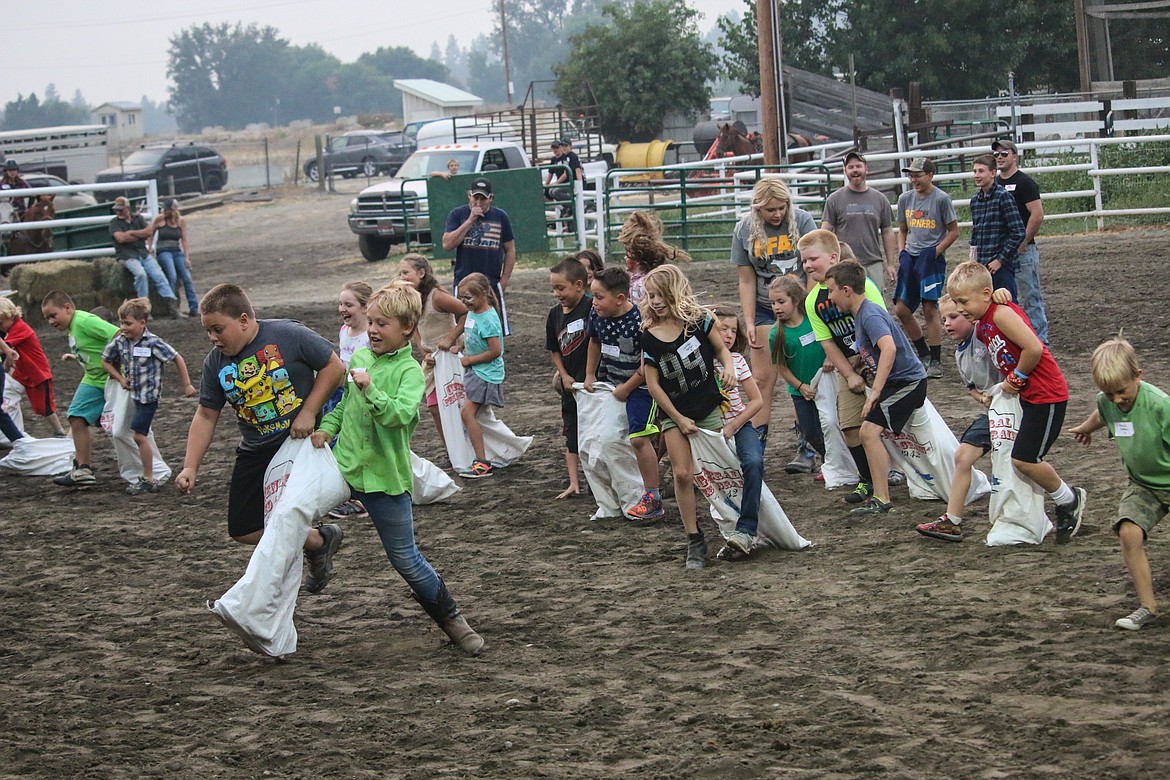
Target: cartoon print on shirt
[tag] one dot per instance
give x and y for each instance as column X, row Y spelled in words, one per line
column 259, row 387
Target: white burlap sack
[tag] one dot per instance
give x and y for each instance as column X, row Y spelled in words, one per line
column 719, row 477
column 838, row 469
column 10, row 403
column 115, row 421
column 1016, row 512
column 925, row 452
column 431, row 483
column 603, row 443
column 501, row 446
column 31, row 457
column 300, row 485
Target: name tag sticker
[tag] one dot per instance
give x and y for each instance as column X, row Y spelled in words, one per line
column 610, row 350
column 688, row 347
column 469, row 323
column 576, row 326
column 1123, row 429
column 808, row 338
column 141, row 351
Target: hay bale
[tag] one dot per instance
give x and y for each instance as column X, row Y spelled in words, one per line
column 101, row 281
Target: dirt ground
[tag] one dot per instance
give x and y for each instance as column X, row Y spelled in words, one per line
column 875, row 652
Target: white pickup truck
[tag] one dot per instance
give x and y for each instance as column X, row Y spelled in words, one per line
column 386, row 213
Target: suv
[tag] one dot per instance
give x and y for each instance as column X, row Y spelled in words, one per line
column 178, row 168
column 386, row 213
column 361, row 152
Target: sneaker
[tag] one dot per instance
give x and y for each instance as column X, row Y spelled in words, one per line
column 801, row 464
column 1142, row 616
column 648, row 508
column 859, row 494
column 943, row 529
column 479, row 469
column 349, row 510
column 321, row 559
column 79, row 477
column 61, row 435
column 872, row 506
column 142, row 487
column 934, row 369
column 697, row 554
column 895, row 478
column 1068, row 520
column 741, row 541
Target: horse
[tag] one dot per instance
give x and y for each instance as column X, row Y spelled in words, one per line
column 32, row 242
column 734, row 140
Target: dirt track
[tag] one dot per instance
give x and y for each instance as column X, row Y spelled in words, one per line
column 876, row 651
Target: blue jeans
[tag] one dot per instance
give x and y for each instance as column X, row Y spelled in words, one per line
column 1031, row 296
column 174, row 266
column 750, row 450
column 393, row 517
column 142, row 267
column 1005, row 279
column 809, row 421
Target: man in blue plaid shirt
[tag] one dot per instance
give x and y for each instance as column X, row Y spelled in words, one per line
column 135, row 358
column 996, row 230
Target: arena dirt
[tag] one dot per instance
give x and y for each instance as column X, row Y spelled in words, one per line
column 877, row 652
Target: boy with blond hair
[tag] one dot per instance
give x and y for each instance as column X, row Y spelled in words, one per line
column 276, row 374
column 1030, row 372
column 1137, row 417
column 134, row 359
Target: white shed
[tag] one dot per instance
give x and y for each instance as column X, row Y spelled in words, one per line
column 123, row 121
column 427, row 99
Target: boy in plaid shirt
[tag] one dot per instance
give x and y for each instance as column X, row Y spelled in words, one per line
column 997, row 231
column 135, row 358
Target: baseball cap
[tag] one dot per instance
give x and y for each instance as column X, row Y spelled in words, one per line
column 920, row 165
column 172, row 205
column 556, row 144
column 481, row 186
column 1009, row 145
column 854, row 155
column 119, row 204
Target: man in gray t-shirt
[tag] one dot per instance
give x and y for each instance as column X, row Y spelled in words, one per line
column 860, row 216
column 927, row 227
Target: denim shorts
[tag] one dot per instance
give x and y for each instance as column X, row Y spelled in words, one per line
column 143, row 416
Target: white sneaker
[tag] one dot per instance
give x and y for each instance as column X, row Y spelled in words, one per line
column 1141, row 616
column 740, row 541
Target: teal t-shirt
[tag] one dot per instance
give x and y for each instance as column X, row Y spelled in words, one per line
column 1142, row 435
column 804, row 353
column 477, row 329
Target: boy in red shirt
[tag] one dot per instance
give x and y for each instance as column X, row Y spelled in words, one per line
column 1031, row 373
column 32, row 368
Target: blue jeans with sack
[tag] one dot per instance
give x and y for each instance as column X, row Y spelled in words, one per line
column 750, row 450
column 393, row 518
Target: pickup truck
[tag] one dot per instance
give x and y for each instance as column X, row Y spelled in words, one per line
column 386, row 213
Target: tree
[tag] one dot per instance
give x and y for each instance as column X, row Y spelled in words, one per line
column 646, row 62
column 401, row 62
column 25, row 113
column 805, row 29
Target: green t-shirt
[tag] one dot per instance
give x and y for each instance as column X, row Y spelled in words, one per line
column 88, row 336
column 807, row 354
column 1142, row 435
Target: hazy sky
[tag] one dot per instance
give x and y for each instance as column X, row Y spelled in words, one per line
column 118, row 51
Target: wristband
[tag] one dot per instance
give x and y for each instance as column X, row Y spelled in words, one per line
column 1020, row 376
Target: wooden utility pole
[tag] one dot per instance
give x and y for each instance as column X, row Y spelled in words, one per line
column 507, row 64
column 770, row 98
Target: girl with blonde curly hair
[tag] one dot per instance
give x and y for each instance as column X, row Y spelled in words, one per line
column 763, row 247
column 680, row 344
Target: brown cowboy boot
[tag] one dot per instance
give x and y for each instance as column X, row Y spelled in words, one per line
column 445, row 613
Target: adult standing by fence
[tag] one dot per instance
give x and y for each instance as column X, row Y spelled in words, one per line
column 174, row 256
column 130, row 233
column 481, row 236
column 862, row 218
column 1026, row 192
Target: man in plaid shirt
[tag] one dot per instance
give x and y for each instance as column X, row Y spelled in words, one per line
column 997, row 230
column 135, row 358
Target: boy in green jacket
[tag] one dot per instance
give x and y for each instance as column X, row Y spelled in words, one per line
column 375, row 419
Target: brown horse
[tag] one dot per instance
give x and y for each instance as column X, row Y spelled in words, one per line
column 32, row 242
column 735, row 141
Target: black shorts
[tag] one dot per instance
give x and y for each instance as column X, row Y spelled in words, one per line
column 1039, row 427
column 246, row 494
column 978, row 434
column 896, row 403
column 569, row 420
